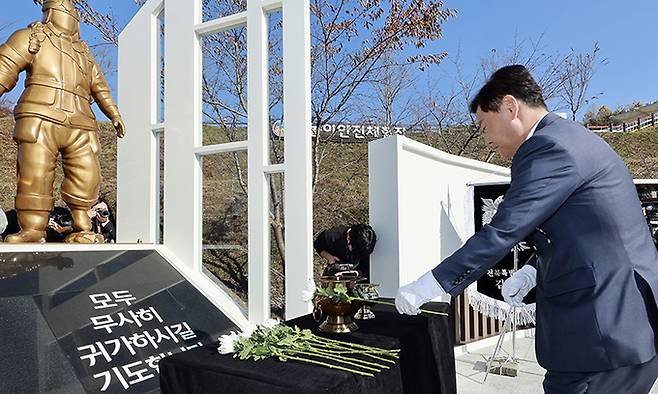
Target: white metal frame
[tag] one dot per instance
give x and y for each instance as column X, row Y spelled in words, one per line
column 138, row 168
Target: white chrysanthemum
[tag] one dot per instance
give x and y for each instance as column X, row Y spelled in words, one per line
column 246, row 333
column 270, row 323
column 227, row 343
column 309, row 293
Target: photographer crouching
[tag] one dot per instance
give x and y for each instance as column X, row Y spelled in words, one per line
column 102, row 221
column 60, row 224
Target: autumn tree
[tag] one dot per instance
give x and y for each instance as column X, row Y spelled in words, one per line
column 600, row 116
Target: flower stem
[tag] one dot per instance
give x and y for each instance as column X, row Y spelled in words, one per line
column 348, row 358
column 361, row 352
column 337, row 349
column 306, row 360
column 322, row 355
column 392, row 304
column 349, row 345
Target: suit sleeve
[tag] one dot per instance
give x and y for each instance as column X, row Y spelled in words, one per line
column 544, row 175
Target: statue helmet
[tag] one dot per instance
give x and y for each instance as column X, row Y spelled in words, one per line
column 59, row 5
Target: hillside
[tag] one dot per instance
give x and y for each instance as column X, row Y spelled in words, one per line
column 341, row 195
column 342, row 190
column 638, row 149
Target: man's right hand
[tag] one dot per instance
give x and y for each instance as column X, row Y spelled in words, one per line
column 517, row 286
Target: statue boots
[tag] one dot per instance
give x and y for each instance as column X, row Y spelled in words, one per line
column 82, row 227
column 33, row 227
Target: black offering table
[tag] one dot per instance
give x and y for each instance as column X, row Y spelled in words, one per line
column 426, row 363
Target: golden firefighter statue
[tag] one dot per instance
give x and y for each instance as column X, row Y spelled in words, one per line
column 54, row 117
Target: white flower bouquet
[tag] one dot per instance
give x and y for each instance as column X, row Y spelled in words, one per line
column 274, row 339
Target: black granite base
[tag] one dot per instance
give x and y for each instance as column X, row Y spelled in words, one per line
column 77, row 322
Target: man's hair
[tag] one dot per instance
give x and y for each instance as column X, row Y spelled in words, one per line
column 363, row 239
column 513, row 80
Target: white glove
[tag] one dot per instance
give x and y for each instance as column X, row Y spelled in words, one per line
column 412, row 296
column 519, row 285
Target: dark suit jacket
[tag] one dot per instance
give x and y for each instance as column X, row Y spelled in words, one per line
column 597, row 268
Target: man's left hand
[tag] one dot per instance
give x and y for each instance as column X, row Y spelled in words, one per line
column 411, row 297
column 517, row 286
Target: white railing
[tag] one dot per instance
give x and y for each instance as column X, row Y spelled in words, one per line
column 638, row 124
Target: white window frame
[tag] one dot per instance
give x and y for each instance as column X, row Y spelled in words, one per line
column 138, row 168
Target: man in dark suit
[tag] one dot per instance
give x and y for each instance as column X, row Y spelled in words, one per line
column 596, row 270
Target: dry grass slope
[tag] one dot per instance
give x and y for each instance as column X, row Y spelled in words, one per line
column 341, row 195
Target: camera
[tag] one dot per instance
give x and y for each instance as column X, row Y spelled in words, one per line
column 62, row 217
column 102, row 212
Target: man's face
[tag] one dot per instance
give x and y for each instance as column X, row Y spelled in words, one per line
column 498, row 127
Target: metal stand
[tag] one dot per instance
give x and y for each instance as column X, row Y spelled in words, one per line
column 507, row 363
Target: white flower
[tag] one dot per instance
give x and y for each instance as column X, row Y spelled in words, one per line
column 270, row 323
column 309, row 293
column 227, row 343
column 246, row 333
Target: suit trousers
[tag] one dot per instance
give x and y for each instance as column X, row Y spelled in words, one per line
column 633, row 379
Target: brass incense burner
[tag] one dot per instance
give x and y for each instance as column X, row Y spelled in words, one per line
column 336, row 317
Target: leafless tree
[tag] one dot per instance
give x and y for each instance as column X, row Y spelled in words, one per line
column 390, row 102
column 448, row 123
column 546, row 67
column 459, row 131
column 577, row 73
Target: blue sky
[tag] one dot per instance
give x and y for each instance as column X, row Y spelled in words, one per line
column 627, row 36
column 626, row 33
